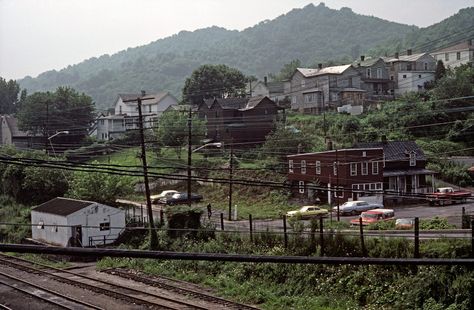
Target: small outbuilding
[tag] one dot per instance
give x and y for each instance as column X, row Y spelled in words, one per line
column 71, row 222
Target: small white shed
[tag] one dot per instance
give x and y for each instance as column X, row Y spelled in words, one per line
column 71, row 222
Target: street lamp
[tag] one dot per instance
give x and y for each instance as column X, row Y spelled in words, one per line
column 66, row 132
column 216, row 144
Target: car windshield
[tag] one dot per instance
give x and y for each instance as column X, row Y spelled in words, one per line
column 369, row 215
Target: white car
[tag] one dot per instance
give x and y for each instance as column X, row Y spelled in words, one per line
column 163, row 196
column 356, row 207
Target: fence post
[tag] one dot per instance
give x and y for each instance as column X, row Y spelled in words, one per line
column 104, row 240
column 417, row 238
column 251, row 228
column 285, row 235
column 162, row 220
column 472, row 238
column 362, row 243
column 321, row 235
column 222, row 221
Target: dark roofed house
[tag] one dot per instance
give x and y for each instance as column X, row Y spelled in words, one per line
column 10, row 134
column 72, row 222
column 404, row 165
column 239, row 120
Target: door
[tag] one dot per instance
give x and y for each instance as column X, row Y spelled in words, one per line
column 76, row 236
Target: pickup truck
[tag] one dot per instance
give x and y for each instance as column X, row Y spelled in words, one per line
column 447, row 195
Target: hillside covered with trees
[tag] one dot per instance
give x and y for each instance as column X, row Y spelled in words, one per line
column 313, row 34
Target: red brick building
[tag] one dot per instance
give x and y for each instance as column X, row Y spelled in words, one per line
column 336, row 176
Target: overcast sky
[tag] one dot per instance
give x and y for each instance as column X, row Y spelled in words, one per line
column 40, row 35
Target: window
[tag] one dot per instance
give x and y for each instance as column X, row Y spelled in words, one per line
column 293, row 100
column 409, row 67
column 446, row 57
column 303, row 167
column 353, row 169
column 104, row 226
column 378, row 185
column 102, row 122
column 364, row 154
column 301, row 187
column 290, row 166
column 365, row 168
column 404, row 76
column 375, row 167
column 419, row 76
column 40, row 225
column 303, row 83
column 369, row 71
column 391, row 78
column 334, row 168
column 425, row 66
column 458, row 56
column 149, row 108
column 412, row 159
column 339, row 192
column 379, row 73
column 318, row 167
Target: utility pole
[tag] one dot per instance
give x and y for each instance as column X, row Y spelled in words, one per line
column 231, row 168
column 189, row 154
column 337, row 186
column 151, row 225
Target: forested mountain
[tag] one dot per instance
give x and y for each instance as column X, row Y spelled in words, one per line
column 312, row 34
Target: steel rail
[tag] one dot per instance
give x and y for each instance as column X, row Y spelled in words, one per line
column 108, row 291
column 57, row 303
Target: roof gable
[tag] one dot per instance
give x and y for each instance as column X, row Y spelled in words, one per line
column 62, row 206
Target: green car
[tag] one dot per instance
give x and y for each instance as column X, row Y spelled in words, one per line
column 308, row 212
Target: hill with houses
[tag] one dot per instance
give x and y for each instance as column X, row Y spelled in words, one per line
column 313, row 34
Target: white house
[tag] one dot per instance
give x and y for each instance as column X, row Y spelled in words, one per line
column 456, row 55
column 71, row 222
column 125, row 115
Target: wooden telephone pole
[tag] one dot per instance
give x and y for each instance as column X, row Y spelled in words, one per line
column 151, row 225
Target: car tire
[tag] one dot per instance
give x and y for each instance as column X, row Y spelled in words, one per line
column 353, row 212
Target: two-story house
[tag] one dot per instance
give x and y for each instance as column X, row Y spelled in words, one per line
column 410, row 72
column 404, row 168
column 275, row 90
column 125, row 116
column 375, row 78
column 239, row 120
column 456, row 55
column 316, row 90
column 338, row 175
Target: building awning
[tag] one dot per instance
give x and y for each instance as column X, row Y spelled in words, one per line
column 396, row 173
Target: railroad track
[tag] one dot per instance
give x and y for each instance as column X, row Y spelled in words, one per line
column 166, row 284
column 128, row 294
column 43, row 294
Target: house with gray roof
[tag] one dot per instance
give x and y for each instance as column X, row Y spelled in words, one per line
column 314, row 91
column 410, row 72
column 275, row 90
column 404, row 168
column 71, row 222
column 125, row 116
column 239, row 120
column 456, row 55
column 10, row 134
column 375, row 78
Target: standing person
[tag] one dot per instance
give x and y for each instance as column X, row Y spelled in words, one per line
column 209, row 211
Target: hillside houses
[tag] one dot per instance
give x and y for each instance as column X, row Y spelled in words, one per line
column 456, row 55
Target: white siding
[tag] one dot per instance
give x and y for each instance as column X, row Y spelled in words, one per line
column 49, row 234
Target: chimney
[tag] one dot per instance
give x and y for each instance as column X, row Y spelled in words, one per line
column 143, row 93
column 362, row 57
column 265, row 80
column 409, row 52
column 329, row 145
column 396, row 55
column 384, row 139
column 320, row 66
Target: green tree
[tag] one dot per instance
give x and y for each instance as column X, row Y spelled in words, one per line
column 99, row 186
column 456, row 83
column 440, row 71
column 8, row 96
column 48, row 112
column 209, row 81
column 285, row 141
column 172, row 130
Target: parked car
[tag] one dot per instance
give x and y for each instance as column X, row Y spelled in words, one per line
column 181, row 198
column 163, row 195
column 374, row 216
column 447, row 195
column 307, row 212
column 356, row 207
column 404, row 223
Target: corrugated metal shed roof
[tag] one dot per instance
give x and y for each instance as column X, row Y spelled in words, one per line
column 308, row 72
column 62, row 206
